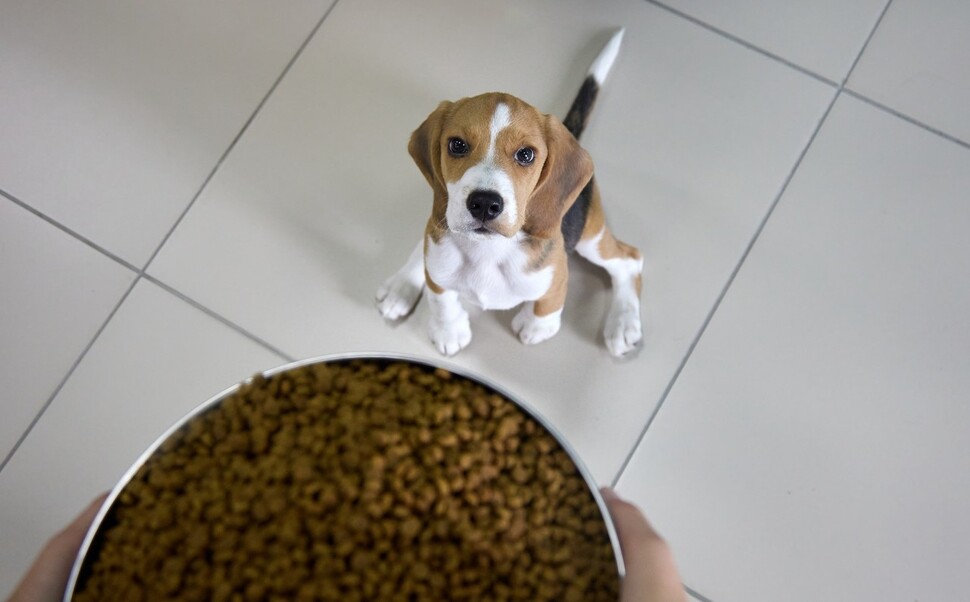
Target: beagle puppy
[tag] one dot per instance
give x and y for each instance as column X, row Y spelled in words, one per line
column 513, row 193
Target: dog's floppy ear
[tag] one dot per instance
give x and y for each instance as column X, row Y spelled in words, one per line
column 425, row 148
column 568, row 168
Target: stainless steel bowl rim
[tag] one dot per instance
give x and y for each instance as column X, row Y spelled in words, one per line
column 344, row 357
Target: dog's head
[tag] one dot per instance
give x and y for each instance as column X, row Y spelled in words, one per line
column 499, row 166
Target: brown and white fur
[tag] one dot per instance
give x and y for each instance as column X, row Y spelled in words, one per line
column 513, row 193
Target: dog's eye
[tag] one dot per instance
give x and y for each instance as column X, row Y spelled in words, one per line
column 525, row 156
column 457, row 147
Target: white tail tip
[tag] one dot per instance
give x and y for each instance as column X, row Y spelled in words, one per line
column 601, row 66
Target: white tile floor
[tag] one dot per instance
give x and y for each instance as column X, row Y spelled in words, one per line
column 797, row 177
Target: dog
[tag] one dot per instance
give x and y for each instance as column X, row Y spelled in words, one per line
column 513, row 194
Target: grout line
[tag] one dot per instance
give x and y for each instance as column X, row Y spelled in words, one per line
column 239, row 329
column 141, row 273
column 878, row 105
column 68, row 231
column 696, row 595
column 138, row 277
column 841, row 86
column 865, row 44
column 726, row 287
column 743, row 42
column 757, row 234
column 239, row 135
column 891, row 111
column 60, row 385
column 758, row 231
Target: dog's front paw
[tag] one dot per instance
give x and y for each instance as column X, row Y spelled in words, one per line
column 452, row 336
column 623, row 330
column 533, row 329
column 397, row 297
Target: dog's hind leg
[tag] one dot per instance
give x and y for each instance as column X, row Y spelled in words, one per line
column 625, row 265
column 399, row 294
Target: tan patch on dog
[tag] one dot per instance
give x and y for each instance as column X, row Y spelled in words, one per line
column 566, row 170
column 549, row 252
column 470, row 120
column 612, row 248
column 539, row 251
column 609, row 247
column 544, row 189
column 555, row 297
column 434, row 234
column 424, row 148
column 432, row 286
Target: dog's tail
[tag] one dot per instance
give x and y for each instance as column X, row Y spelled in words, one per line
column 578, row 115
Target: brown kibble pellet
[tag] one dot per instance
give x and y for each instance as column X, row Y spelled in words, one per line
column 355, row 480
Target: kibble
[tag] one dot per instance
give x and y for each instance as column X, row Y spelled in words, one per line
column 358, row 480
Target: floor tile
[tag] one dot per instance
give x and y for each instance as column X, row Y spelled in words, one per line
column 157, row 359
column 56, row 293
column 815, row 446
column 319, row 202
column 917, row 63
column 824, row 37
column 113, row 114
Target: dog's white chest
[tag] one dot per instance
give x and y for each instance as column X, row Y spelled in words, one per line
column 491, row 272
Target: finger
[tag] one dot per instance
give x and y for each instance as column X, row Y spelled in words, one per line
column 79, row 526
column 651, row 573
column 48, row 575
column 631, row 525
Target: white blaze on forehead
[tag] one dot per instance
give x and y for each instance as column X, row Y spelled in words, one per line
column 486, row 175
column 501, row 119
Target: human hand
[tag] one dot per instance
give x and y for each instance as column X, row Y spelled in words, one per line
column 651, row 573
column 47, row 577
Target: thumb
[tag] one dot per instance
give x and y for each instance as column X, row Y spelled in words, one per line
column 48, row 576
column 651, row 572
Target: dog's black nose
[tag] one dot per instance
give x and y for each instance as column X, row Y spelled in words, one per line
column 485, row 205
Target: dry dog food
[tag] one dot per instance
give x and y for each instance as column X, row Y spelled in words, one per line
column 361, row 480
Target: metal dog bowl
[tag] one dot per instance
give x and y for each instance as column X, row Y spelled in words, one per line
column 101, row 522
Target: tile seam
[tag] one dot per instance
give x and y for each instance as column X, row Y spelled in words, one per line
column 697, row 595
column 219, row 318
column 795, row 167
column 142, row 272
column 67, row 375
column 865, row 43
column 75, row 235
column 138, row 274
column 885, row 107
column 751, row 243
column 285, row 357
column 241, row 133
column 903, row 116
column 724, row 289
column 844, row 87
column 743, row 43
